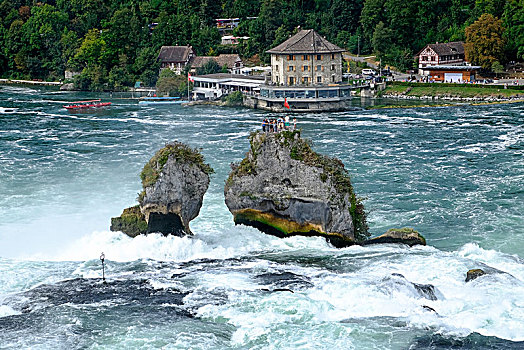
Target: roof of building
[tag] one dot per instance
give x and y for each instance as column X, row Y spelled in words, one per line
column 175, row 53
column 456, row 68
column 445, row 49
column 306, row 41
column 228, row 60
column 226, row 77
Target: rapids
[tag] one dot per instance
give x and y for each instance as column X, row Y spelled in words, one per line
column 455, row 174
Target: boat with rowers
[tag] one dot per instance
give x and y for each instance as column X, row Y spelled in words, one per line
column 159, row 100
column 86, row 104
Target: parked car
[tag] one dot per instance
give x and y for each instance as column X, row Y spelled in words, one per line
column 385, row 72
column 368, row 71
column 347, row 75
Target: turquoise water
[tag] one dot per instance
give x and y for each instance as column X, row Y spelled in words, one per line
column 455, row 174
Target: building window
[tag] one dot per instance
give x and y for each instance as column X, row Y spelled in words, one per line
column 305, row 80
column 424, row 58
column 319, row 68
column 291, row 68
column 332, row 67
column 305, row 68
column 305, row 57
column 291, row 80
column 332, row 78
column 319, row 57
column 319, row 79
column 433, row 58
column 332, row 56
column 290, row 57
column 276, row 68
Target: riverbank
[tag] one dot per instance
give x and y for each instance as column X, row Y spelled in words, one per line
column 453, row 92
column 30, row 82
column 456, row 103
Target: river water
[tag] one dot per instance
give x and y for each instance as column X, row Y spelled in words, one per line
column 455, row 174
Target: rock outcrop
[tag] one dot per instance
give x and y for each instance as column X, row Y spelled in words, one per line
column 174, row 183
column 284, row 188
column 474, row 273
column 395, row 235
column 131, row 222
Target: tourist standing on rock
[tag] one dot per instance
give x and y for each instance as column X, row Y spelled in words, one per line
column 265, row 126
column 294, row 124
column 286, row 125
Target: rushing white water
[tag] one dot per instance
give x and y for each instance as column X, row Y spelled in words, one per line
column 455, row 174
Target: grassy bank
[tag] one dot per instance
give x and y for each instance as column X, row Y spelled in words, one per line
column 451, row 90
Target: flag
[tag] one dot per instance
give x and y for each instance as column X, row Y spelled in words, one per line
column 286, row 104
column 190, row 78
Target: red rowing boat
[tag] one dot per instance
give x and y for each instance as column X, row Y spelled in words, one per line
column 87, row 104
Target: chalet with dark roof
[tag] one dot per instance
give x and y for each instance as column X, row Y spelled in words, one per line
column 175, row 57
column 441, row 54
column 306, row 58
column 233, row 62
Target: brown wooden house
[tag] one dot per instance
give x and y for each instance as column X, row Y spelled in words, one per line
column 175, row 57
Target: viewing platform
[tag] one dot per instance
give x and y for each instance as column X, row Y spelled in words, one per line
column 332, row 97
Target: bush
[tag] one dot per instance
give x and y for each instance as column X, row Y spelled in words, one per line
column 234, row 99
column 169, row 83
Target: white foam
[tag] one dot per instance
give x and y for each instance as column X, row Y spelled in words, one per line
column 6, row 110
column 120, row 247
column 7, row 311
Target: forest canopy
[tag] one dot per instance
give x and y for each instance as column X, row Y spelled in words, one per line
column 114, row 43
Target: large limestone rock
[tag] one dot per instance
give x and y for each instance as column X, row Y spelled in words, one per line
column 284, row 188
column 174, row 182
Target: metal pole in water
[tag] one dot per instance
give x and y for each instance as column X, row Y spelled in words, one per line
column 102, row 257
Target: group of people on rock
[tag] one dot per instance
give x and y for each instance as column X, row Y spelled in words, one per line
column 277, row 125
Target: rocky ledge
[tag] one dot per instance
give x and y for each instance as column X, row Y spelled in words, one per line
column 284, row 188
column 174, row 182
column 404, row 235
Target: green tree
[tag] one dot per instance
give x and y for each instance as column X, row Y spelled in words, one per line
column 342, row 16
column 42, row 33
column 69, row 43
column 495, row 7
column 382, row 39
column 372, row 14
column 146, row 66
column 169, row 83
column 513, row 19
column 281, row 35
column 497, row 68
column 210, row 67
column 485, row 41
column 93, row 50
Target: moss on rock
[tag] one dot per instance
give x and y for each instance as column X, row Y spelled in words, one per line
column 282, row 227
column 181, row 152
column 131, row 222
